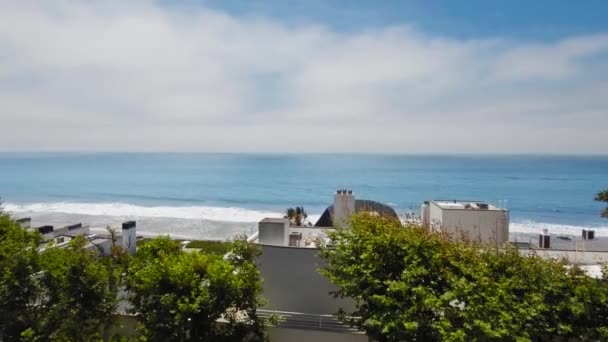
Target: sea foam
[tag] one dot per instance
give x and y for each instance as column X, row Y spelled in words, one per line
column 527, row 226
column 130, row 210
column 234, row 214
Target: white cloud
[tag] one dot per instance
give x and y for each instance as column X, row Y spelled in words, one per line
column 135, row 76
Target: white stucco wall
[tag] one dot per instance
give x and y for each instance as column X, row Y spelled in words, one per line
column 292, row 283
column 435, row 216
column 273, row 232
column 479, row 225
column 491, row 226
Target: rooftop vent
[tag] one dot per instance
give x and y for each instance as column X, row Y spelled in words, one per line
column 45, row 229
column 128, row 225
column 75, row 226
column 544, row 241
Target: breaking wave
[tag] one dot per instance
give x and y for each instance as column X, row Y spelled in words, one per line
column 528, row 226
column 129, row 210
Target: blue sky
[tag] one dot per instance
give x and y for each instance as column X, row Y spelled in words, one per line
column 540, row 19
column 305, row 76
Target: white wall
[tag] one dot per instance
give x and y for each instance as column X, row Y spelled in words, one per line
column 490, row 226
column 479, row 225
column 435, row 215
column 292, row 283
column 273, row 232
column 575, row 258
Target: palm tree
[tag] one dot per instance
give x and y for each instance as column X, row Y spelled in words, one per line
column 296, row 215
column 602, row 196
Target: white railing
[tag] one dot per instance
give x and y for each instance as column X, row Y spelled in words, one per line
column 298, row 320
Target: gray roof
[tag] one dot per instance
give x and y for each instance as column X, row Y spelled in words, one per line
column 326, row 219
column 562, row 242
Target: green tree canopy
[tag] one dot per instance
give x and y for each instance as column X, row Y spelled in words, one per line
column 63, row 294
column 79, row 292
column 410, row 284
column 181, row 296
column 19, row 260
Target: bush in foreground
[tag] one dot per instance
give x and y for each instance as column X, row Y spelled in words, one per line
column 410, row 284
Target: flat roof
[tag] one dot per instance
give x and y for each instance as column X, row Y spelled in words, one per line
column 274, row 219
column 310, row 235
column 564, row 242
column 466, row 205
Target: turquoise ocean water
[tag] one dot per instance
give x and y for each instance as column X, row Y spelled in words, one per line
column 216, row 195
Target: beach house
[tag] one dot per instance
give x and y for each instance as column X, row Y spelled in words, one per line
column 478, row 221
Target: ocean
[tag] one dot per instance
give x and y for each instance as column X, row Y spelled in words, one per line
column 216, row 196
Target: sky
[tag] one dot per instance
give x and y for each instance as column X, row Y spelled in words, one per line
column 304, row 76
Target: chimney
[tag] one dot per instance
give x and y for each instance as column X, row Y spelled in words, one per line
column 344, row 207
column 129, row 237
column 544, row 239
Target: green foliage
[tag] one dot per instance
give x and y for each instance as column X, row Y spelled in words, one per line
column 410, row 284
column 210, row 246
column 71, row 294
column 181, row 295
column 19, row 260
column 79, row 292
column 602, row 196
column 57, row 294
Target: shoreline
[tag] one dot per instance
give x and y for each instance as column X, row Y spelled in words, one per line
column 208, row 229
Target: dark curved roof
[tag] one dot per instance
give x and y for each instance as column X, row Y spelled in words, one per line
column 326, row 219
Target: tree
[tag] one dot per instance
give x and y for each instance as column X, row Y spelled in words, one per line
column 79, row 292
column 296, row 215
column 19, row 289
column 54, row 294
column 411, row 284
column 181, row 296
column 602, row 196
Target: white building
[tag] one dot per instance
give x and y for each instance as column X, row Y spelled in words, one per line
column 102, row 243
column 294, row 288
column 478, row 221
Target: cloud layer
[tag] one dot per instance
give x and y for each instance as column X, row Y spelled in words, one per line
column 134, row 76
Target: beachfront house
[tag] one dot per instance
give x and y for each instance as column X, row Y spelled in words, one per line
column 59, row 235
column 292, row 284
column 479, row 221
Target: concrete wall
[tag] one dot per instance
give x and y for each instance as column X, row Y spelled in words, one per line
column 479, row 225
column 344, row 208
column 435, row 216
column 273, row 232
column 425, row 212
column 491, row 226
column 292, row 283
column 573, row 257
column 297, row 335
